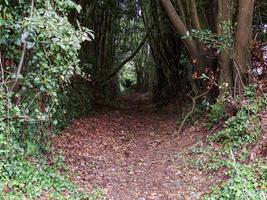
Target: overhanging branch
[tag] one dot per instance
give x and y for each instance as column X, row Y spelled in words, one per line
column 120, row 66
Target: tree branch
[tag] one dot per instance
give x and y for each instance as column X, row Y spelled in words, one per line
column 194, row 15
column 194, row 99
column 23, row 53
column 20, row 65
column 120, row 66
column 181, row 29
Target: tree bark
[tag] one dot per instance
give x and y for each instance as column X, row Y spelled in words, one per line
column 181, row 10
column 243, row 41
column 226, row 73
column 182, row 30
column 194, row 15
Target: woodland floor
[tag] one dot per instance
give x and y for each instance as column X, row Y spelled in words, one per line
column 131, row 153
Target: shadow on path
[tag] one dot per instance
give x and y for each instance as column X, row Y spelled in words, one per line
column 131, row 153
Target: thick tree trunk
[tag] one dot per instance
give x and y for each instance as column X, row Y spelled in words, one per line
column 194, row 15
column 226, row 72
column 168, row 74
column 243, row 42
column 104, row 19
column 182, row 30
column 181, row 10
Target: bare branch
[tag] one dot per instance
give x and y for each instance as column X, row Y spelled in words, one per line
column 194, row 99
column 20, row 65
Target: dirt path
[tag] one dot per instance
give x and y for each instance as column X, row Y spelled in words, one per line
column 132, row 155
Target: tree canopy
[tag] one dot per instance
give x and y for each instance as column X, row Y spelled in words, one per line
column 196, row 61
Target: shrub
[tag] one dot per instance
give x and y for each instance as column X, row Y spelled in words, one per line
column 246, row 182
column 217, row 112
column 38, row 56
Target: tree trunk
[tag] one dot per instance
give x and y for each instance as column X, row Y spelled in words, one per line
column 226, row 72
column 182, row 31
column 194, row 15
column 243, row 42
column 181, row 10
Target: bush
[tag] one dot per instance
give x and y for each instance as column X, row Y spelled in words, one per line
column 242, row 128
column 217, row 112
column 246, row 182
column 128, row 78
column 39, row 55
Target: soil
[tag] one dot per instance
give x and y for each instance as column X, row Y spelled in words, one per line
column 131, row 153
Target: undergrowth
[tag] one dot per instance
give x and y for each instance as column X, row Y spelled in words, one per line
column 229, row 148
column 26, row 176
column 246, row 182
column 39, row 55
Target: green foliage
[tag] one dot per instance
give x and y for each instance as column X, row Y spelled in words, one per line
column 76, row 101
column 208, row 158
column 52, row 44
column 127, row 77
column 24, row 175
column 38, row 56
column 216, row 113
column 236, row 131
column 246, row 182
column 242, row 128
column 219, row 42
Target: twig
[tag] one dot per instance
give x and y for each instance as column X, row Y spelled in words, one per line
column 215, row 128
column 32, row 101
column 22, row 117
column 22, row 58
column 2, row 69
column 194, row 99
column 20, row 65
column 6, row 82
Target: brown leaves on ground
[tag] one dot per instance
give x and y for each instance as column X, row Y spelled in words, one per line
column 131, row 154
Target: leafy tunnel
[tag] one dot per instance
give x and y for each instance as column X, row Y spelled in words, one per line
column 130, row 83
